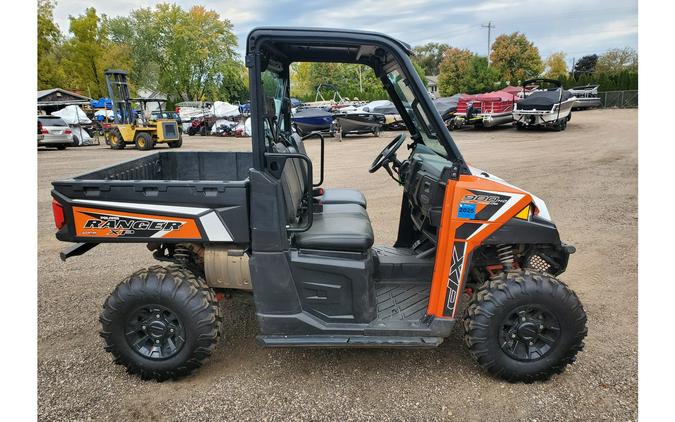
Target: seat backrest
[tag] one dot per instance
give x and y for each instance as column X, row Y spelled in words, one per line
column 291, row 183
column 297, row 145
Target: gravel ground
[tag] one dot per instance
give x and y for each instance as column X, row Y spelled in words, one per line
column 586, row 174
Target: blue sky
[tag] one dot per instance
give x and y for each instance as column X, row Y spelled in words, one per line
column 577, row 27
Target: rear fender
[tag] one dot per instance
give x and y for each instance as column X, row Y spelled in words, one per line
column 94, row 221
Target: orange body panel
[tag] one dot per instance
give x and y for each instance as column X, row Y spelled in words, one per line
column 474, row 207
column 92, row 222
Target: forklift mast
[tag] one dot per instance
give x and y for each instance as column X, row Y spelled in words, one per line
column 118, row 90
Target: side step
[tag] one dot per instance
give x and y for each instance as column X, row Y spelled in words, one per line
column 348, row 341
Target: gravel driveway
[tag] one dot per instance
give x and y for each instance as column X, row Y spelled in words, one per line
column 586, row 174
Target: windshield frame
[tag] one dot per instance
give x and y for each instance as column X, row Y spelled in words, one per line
column 341, row 46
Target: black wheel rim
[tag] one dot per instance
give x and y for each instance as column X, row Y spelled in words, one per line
column 155, row 332
column 529, row 333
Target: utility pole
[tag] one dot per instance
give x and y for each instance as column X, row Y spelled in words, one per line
column 489, row 27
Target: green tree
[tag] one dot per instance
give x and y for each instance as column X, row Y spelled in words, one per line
column 556, row 66
column 49, row 38
column 88, row 52
column 186, row 54
column 617, row 60
column 585, row 65
column 421, row 73
column 429, row 56
column 479, row 77
column 465, row 72
column 453, row 69
column 516, row 58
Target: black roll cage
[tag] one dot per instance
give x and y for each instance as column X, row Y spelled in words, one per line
column 334, row 45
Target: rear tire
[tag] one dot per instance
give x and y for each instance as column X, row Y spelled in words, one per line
column 176, row 144
column 161, row 323
column 144, row 141
column 530, row 349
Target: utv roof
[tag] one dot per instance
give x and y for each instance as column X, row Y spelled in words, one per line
column 316, row 43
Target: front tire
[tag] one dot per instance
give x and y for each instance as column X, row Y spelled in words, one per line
column 115, row 139
column 524, row 326
column 161, row 323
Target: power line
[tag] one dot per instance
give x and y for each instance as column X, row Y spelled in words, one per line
column 489, row 27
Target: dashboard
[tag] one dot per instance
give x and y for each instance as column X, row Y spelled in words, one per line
column 425, row 180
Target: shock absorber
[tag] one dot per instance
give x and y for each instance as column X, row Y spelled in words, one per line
column 505, row 255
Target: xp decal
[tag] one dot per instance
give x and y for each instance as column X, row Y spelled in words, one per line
column 90, row 222
column 455, row 276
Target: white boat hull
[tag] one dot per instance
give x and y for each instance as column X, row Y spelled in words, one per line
column 549, row 117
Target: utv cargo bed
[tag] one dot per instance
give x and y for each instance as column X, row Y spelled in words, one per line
column 165, row 196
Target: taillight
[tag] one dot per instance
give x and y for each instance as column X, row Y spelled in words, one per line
column 57, row 210
column 67, row 131
column 44, row 131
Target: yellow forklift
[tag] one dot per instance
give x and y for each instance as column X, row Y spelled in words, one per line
column 141, row 129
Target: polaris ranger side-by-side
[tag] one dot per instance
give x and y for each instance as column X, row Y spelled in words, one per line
column 260, row 221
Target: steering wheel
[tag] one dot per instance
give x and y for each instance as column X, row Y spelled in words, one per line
column 387, row 153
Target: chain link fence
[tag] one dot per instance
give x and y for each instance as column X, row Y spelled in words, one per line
column 619, row 99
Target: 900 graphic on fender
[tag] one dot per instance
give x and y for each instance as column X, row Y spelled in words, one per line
column 261, row 221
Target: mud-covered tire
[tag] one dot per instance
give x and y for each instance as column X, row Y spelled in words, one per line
column 178, row 291
column 498, row 298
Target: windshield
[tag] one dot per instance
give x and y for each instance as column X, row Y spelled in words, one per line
column 52, row 121
column 415, row 111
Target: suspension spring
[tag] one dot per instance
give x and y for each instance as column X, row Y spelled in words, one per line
column 182, row 254
column 505, row 255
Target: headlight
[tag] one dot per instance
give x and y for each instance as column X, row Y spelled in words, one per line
column 525, row 213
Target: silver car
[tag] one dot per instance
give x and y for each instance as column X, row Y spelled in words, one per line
column 54, row 132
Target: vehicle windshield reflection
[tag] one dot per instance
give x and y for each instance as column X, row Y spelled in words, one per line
column 414, row 110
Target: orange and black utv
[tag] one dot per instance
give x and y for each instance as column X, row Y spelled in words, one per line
column 260, row 222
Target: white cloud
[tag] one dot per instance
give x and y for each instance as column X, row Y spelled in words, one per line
column 577, row 26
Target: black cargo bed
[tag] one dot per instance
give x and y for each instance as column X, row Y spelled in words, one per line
column 181, row 178
column 192, row 166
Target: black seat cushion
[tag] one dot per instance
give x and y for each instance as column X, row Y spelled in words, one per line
column 344, row 209
column 337, row 231
column 343, row 196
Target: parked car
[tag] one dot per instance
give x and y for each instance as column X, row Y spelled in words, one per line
column 54, row 132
